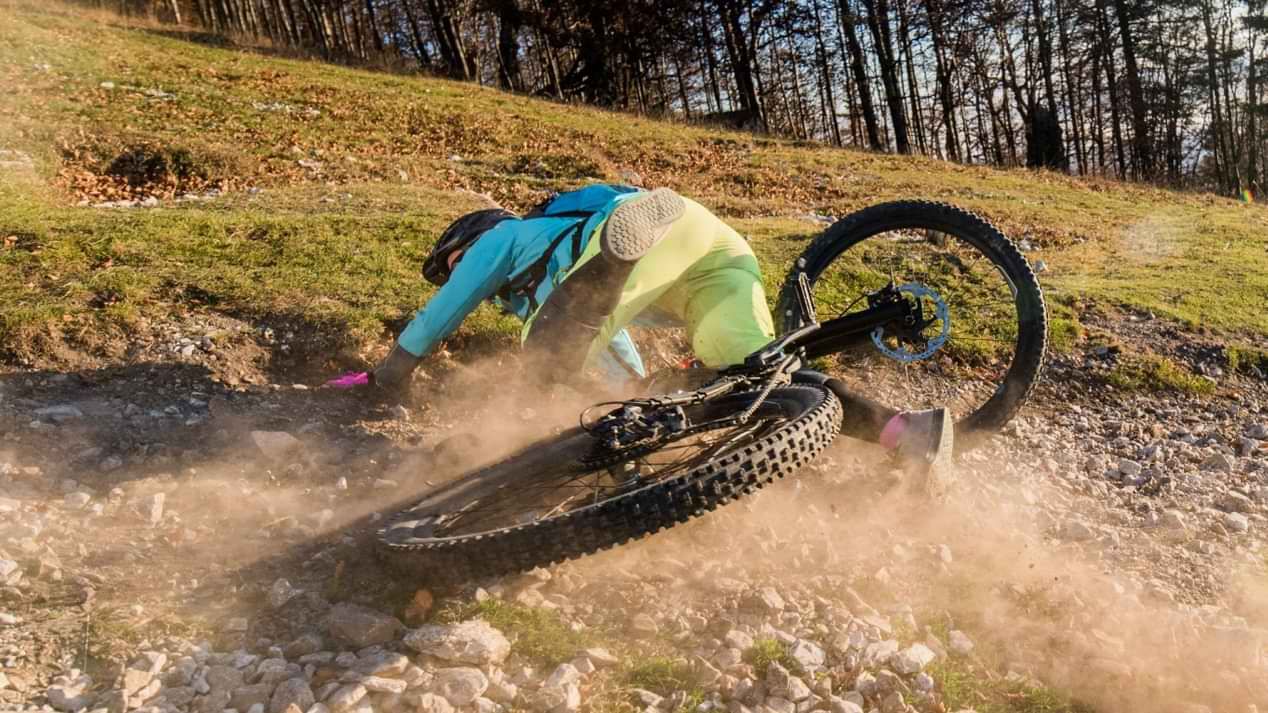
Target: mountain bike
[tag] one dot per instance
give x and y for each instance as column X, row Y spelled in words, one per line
column 917, row 303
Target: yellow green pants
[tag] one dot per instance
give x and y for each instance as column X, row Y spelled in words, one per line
column 704, row 274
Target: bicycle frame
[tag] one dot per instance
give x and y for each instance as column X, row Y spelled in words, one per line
column 815, row 339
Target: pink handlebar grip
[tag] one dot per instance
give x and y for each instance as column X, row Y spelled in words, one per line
column 350, row 380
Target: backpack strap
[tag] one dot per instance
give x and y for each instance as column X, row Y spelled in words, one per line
column 530, row 278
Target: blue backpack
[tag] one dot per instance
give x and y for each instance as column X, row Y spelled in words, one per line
column 583, row 201
column 581, row 204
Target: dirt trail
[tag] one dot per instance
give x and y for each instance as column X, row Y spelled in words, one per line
column 1110, row 548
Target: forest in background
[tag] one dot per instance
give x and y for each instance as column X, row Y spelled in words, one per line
column 1169, row 92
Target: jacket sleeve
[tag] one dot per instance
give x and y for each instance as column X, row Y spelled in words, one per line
column 483, row 269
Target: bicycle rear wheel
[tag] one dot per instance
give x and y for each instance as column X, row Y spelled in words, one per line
column 555, row 500
column 983, row 346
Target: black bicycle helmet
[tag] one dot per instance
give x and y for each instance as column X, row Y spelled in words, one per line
column 459, row 236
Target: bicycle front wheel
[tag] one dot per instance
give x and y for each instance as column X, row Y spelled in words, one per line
column 556, row 500
column 980, row 346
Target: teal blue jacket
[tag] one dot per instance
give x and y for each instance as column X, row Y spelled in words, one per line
column 504, row 252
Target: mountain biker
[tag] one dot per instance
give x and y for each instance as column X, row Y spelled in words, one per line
column 581, row 267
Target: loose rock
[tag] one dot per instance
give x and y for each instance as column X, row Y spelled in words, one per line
column 461, row 686
column 361, row 626
column 471, row 642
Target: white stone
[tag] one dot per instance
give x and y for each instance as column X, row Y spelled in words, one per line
column 960, row 642
column 471, row 642
column 601, row 657
column 841, row 705
column 346, row 697
column 777, row 704
column 70, row 692
column 913, row 659
column 563, row 674
column 738, row 640
column 461, row 685
column 808, row 654
column 154, row 509
column 275, row 444
column 281, row 593
column 293, row 691
column 379, row 684
column 1236, row 522
column 361, row 626
column 432, row 703
column 59, row 412
column 647, row 698
column 767, row 599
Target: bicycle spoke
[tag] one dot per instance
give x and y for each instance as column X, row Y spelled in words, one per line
column 533, row 501
column 983, row 309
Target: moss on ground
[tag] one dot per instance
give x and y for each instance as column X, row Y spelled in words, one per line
column 1148, row 372
column 1247, row 360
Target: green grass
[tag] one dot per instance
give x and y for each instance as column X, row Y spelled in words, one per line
column 389, row 159
column 768, row 651
column 963, row 687
column 979, row 682
column 1246, row 359
column 114, row 635
column 664, row 675
column 1148, row 372
column 539, row 635
column 659, row 673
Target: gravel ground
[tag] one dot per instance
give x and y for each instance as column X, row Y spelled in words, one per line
column 172, row 540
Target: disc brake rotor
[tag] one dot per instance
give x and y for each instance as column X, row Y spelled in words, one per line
column 941, row 314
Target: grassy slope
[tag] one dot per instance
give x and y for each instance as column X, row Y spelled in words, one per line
column 336, row 241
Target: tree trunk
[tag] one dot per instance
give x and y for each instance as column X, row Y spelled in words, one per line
column 824, row 61
column 682, row 88
column 878, row 23
column 509, row 22
column 446, row 33
column 1098, row 115
column 1231, row 120
column 1073, row 97
column 1140, row 118
column 1044, row 38
column 737, row 48
column 1222, row 152
column 1116, row 130
column 913, row 90
column 706, row 41
column 942, row 76
column 1252, row 107
column 416, row 34
column 373, row 24
column 859, row 69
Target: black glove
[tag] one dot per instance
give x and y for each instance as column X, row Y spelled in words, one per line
column 393, row 373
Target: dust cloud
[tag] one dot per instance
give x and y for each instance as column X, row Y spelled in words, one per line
column 984, row 561
column 1040, row 610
